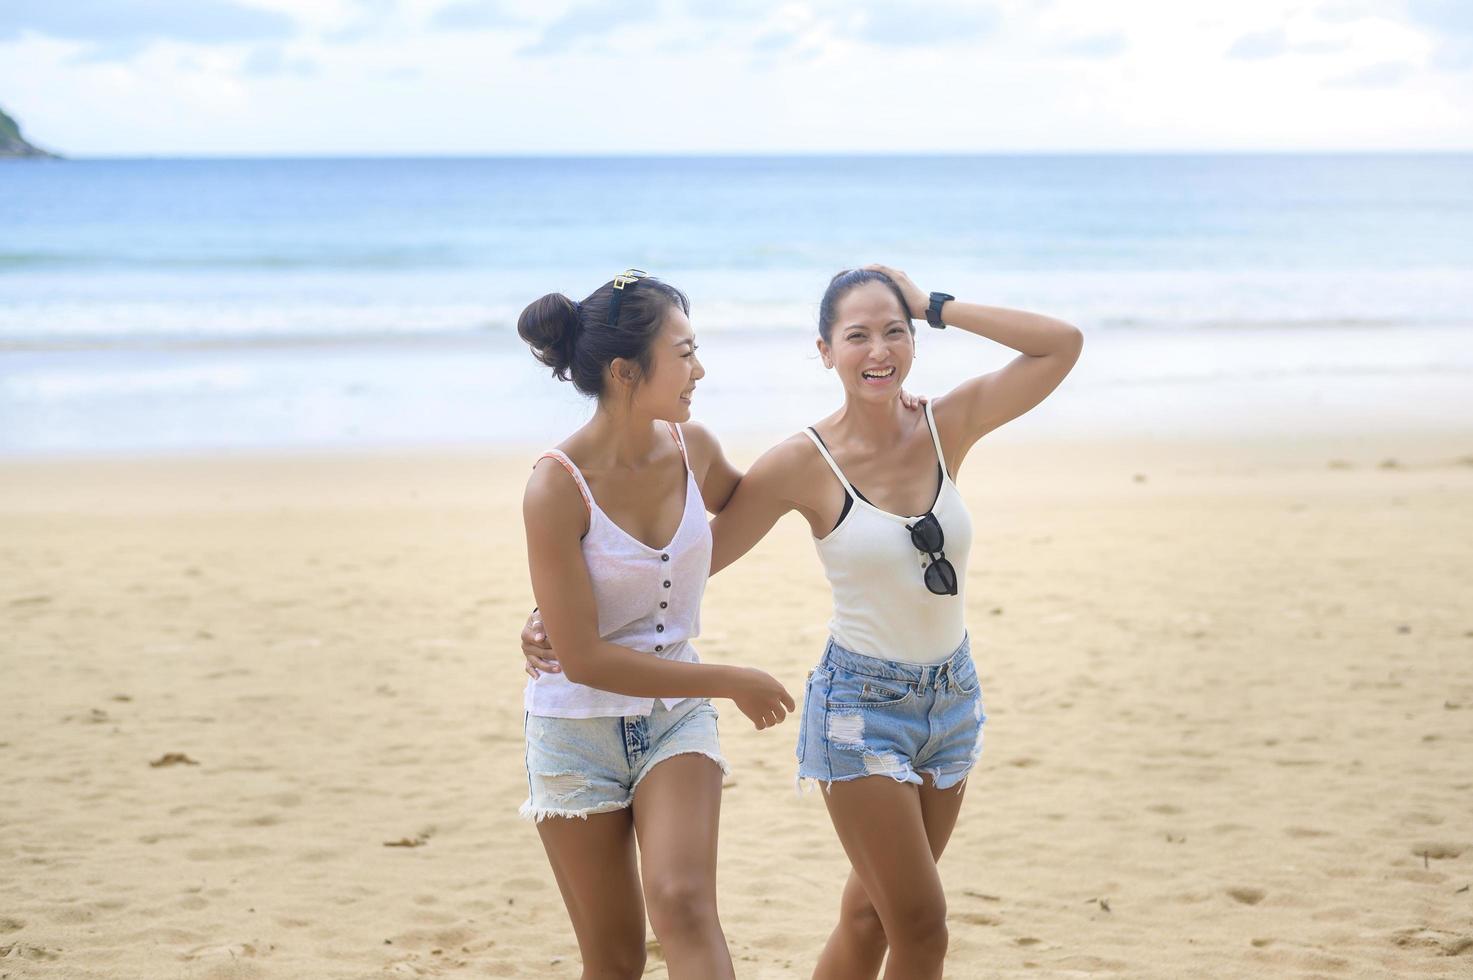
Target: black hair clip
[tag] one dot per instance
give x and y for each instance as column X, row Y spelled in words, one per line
column 624, row 279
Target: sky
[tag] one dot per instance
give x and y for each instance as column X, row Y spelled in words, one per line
column 412, row 77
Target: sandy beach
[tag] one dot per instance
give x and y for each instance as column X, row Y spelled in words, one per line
column 263, row 719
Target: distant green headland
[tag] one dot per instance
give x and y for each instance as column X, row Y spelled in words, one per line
column 13, row 144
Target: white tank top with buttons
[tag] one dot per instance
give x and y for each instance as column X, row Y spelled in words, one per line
column 882, row 607
column 648, row 599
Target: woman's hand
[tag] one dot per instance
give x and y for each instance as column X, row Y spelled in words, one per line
column 537, row 649
column 918, row 300
column 761, row 697
column 912, row 402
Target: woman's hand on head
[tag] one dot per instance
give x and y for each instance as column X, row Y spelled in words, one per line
column 918, row 299
column 537, row 649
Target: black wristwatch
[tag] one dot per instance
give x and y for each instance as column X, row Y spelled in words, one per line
column 933, row 312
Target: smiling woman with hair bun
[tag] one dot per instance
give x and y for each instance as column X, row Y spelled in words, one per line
column 621, row 742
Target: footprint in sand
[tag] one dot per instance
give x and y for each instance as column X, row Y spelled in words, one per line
column 226, row 951
column 233, row 852
column 8, row 924
column 1300, row 833
column 27, row 951
column 264, row 820
column 1167, row 808
column 172, row 759
column 979, row 919
column 1447, row 943
column 1246, row 895
column 525, row 884
column 318, row 855
column 1436, row 850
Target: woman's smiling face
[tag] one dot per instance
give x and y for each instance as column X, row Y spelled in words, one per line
column 872, row 343
column 666, row 389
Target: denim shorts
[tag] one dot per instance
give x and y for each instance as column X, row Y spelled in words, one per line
column 863, row 716
column 579, row 766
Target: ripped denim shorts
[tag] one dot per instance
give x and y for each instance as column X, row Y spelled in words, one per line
column 581, row 766
column 863, row 716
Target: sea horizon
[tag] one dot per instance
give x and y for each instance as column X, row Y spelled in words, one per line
column 161, row 304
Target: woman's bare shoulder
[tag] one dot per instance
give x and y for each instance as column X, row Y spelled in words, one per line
column 552, row 491
column 789, row 466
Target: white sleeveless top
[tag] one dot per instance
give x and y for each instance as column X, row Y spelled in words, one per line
column 882, row 607
column 649, row 599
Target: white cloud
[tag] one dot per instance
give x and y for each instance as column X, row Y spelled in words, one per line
column 1096, row 46
column 1381, row 75
column 1263, row 44
column 494, row 76
column 270, row 59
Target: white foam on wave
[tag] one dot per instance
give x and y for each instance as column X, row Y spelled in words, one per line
column 91, row 383
column 125, row 312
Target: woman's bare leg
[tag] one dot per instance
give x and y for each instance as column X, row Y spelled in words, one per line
column 677, row 808
column 856, row 948
column 597, row 872
column 898, row 831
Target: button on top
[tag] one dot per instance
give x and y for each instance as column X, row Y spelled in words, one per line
column 667, row 583
column 659, row 627
column 664, row 604
column 664, row 558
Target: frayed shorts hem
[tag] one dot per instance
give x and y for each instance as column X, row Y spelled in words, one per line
column 717, row 758
column 804, row 784
column 538, row 814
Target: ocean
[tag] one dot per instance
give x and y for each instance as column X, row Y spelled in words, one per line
column 171, row 305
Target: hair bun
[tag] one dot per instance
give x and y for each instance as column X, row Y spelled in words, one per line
column 550, row 326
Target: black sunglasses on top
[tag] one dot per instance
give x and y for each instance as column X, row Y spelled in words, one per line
column 927, row 536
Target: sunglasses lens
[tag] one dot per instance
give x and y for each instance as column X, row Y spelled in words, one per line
column 941, row 577
column 926, row 535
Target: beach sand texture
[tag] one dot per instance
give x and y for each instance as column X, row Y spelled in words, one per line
column 1229, row 686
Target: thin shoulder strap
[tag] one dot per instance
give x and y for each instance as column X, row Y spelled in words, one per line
column 679, row 441
column 936, row 440
column 567, row 464
column 823, row 450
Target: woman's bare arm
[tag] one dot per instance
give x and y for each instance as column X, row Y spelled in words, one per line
column 715, row 474
column 765, row 493
column 1048, row 349
column 554, row 513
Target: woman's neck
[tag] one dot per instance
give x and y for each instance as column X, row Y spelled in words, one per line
column 620, row 438
column 868, row 424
